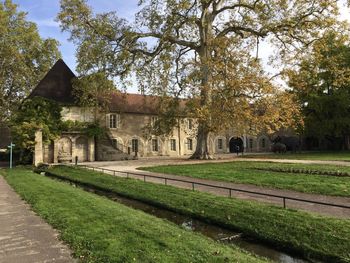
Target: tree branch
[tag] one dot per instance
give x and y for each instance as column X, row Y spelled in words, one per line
column 232, row 7
column 239, row 30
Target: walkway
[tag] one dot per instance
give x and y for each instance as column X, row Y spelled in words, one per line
column 132, row 165
column 24, row 236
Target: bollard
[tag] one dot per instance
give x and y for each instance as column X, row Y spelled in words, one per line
column 76, row 160
column 11, row 153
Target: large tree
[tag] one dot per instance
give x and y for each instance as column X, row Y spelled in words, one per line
column 322, row 84
column 201, row 50
column 24, row 57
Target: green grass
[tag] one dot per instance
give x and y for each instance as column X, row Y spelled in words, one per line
column 246, row 173
column 323, row 156
column 306, row 234
column 100, row 230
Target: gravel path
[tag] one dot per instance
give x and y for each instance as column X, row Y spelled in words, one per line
column 132, row 165
column 24, row 236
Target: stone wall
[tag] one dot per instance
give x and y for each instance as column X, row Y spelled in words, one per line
column 130, row 130
column 131, row 127
column 65, row 149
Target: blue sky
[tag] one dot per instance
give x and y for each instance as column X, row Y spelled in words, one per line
column 44, row 12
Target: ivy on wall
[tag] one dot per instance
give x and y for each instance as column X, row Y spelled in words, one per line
column 90, row 129
column 44, row 114
column 34, row 114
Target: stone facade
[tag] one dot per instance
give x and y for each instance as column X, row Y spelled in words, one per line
column 125, row 124
column 127, row 133
column 65, row 149
column 127, row 139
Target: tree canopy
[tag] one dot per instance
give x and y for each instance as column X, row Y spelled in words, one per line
column 322, row 84
column 35, row 114
column 201, row 50
column 24, row 57
column 93, row 91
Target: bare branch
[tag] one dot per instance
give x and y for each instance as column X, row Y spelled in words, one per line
column 240, row 29
column 232, row 7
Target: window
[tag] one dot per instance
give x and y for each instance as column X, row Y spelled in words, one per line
column 190, row 124
column 135, row 145
column 114, row 121
column 154, row 119
column 173, row 145
column 189, row 144
column 155, row 145
column 251, row 144
column 220, row 144
column 263, row 143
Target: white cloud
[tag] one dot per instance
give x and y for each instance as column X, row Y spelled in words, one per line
column 46, row 22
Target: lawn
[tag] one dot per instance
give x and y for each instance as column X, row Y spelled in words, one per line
column 249, row 173
column 320, row 237
column 100, row 230
column 324, row 156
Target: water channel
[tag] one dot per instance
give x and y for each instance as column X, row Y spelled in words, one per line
column 217, row 233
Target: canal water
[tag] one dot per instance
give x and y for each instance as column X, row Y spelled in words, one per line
column 217, row 233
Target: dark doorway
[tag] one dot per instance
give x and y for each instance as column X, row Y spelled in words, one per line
column 135, row 145
column 236, row 145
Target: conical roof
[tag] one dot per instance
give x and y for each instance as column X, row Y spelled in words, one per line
column 56, row 85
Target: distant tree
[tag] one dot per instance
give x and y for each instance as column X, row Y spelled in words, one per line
column 193, row 49
column 24, row 57
column 322, row 84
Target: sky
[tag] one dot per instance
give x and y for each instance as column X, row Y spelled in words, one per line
column 44, row 12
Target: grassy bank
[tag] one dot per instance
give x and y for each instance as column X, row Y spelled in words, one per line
column 323, row 156
column 100, row 230
column 248, row 173
column 308, row 235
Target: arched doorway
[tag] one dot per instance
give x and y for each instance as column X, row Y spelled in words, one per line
column 236, row 145
column 81, row 149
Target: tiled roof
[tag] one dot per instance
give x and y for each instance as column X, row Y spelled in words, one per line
column 137, row 103
column 133, row 103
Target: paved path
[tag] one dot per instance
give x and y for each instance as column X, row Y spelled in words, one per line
column 24, row 236
column 132, row 165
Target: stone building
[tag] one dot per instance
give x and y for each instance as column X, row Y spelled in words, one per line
column 125, row 121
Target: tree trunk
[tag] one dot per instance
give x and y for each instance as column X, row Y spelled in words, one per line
column 202, row 149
